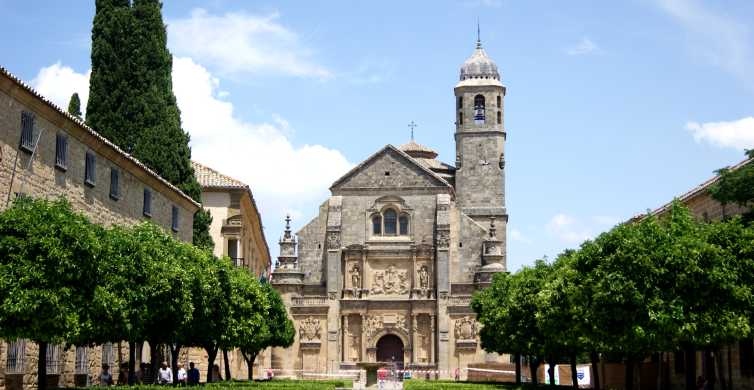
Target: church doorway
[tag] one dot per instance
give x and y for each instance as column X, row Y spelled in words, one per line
column 390, row 350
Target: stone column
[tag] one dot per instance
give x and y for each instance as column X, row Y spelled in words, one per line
column 432, row 357
column 363, row 337
column 345, row 334
column 414, row 328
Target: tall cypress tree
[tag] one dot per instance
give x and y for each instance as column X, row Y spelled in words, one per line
column 74, row 105
column 131, row 95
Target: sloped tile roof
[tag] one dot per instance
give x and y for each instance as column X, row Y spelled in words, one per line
column 208, row 177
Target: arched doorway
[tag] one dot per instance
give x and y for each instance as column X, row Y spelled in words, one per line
column 390, row 349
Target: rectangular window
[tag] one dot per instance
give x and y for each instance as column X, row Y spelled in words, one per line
column 746, row 356
column 90, row 169
column 27, row 131
column 147, row 202
column 233, row 252
column 108, row 357
column 15, row 359
column 53, row 359
column 61, row 151
column 175, row 218
column 114, row 183
column 82, row 360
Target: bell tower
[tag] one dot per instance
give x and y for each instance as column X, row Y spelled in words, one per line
column 480, row 140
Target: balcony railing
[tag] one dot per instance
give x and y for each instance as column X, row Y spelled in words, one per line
column 238, row 261
column 309, row 301
column 464, row 300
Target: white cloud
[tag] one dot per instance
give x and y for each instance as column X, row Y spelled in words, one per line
column 585, row 46
column 238, row 42
column 568, row 229
column 738, row 134
column 516, row 235
column 57, row 83
column 720, row 39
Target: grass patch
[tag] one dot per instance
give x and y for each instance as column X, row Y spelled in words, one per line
column 275, row 384
column 414, row 384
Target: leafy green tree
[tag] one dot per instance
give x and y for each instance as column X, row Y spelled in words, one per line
column 506, row 310
column 74, row 105
column 276, row 331
column 49, row 259
column 131, row 99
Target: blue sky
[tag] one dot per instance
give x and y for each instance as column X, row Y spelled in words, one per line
column 612, row 108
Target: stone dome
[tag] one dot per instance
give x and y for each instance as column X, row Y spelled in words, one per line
column 416, row 150
column 479, row 66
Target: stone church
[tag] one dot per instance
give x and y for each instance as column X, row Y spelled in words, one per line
column 386, row 270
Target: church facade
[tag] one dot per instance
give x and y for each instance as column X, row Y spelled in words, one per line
column 386, row 270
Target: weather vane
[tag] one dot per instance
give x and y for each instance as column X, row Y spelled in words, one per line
column 412, row 125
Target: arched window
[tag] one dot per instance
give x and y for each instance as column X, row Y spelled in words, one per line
column 390, row 217
column 377, row 225
column 479, row 109
column 403, row 225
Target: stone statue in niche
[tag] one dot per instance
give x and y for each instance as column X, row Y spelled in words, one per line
column 356, row 281
column 355, row 337
column 390, row 281
column 465, row 329
column 309, row 329
column 423, row 277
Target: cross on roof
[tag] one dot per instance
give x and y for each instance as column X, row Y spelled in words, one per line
column 412, row 125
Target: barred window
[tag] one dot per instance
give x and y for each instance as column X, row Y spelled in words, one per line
column 403, row 225
column 108, row 357
column 61, row 151
column 82, row 360
column 377, row 225
column 390, row 217
column 54, row 363
column 16, row 354
column 175, row 219
column 27, row 131
column 90, row 169
column 147, row 202
column 114, row 183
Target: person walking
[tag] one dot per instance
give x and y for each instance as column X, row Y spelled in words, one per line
column 381, row 377
column 164, row 374
column 105, row 378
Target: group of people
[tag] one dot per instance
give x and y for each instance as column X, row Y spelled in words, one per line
column 164, row 375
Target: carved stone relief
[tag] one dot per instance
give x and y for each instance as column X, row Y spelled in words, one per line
column 376, row 323
column 309, row 329
column 465, row 329
column 391, row 281
column 333, row 240
column 443, row 239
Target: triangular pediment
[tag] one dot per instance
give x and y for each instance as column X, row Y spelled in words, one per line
column 390, row 168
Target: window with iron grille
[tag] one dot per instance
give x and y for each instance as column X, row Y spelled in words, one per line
column 82, row 360
column 114, row 183
column 27, row 131
column 61, row 151
column 147, row 210
column 15, row 359
column 175, row 218
column 108, row 357
column 54, row 363
column 90, row 169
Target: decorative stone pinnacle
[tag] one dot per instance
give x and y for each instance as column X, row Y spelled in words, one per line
column 478, row 35
column 287, row 234
column 493, row 231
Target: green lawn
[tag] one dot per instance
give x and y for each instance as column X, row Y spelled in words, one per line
column 277, row 384
column 449, row 385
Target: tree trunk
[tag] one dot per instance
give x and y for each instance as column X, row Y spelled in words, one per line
column 154, row 360
column 131, row 363
column 518, row 368
column 533, row 364
column 730, row 371
column 42, row 366
column 227, row 365
column 574, row 374
column 595, row 358
column 175, row 350
column 211, row 355
column 249, row 358
column 629, row 383
column 690, row 369
column 551, row 371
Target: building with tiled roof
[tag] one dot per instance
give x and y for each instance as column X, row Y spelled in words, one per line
column 236, row 227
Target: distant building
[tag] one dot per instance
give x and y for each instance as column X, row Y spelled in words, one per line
column 47, row 153
column 386, row 269
column 236, row 223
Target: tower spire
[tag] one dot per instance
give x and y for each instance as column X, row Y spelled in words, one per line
column 478, row 35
